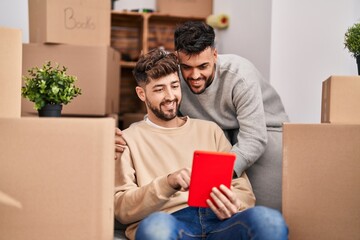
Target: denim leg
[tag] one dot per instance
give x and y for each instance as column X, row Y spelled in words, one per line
column 164, row 226
column 256, row 223
column 157, row 226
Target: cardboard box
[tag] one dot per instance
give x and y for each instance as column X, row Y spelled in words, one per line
column 57, row 178
column 10, row 72
column 321, row 181
column 83, row 22
column 115, row 116
column 341, row 100
column 97, row 71
column 186, row 8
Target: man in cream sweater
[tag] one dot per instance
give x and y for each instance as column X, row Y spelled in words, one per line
column 153, row 172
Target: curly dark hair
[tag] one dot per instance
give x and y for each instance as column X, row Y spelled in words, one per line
column 193, row 37
column 155, row 64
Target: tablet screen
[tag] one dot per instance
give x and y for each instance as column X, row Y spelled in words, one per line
column 209, row 169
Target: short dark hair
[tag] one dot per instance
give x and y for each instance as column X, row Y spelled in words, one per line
column 193, row 37
column 155, row 64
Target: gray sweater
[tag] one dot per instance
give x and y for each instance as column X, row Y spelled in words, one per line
column 242, row 103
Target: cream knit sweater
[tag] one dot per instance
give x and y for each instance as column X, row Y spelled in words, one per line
column 151, row 154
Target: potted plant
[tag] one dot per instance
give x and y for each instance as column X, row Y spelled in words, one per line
column 352, row 42
column 49, row 88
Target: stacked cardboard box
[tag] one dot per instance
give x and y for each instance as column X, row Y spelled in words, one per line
column 56, row 178
column 193, row 8
column 76, row 34
column 96, row 69
column 57, row 174
column 341, row 100
column 10, row 72
column 79, row 22
column 321, row 166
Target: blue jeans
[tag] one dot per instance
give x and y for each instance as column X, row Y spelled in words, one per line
column 201, row 223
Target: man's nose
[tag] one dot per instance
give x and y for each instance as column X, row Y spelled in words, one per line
column 195, row 74
column 169, row 95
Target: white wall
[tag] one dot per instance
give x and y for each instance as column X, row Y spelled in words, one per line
column 14, row 14
column 307, row 47
column 249, row 31
column 296, row 44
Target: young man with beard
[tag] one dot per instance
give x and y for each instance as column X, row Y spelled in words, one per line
column 228, row 90
column 153, row 172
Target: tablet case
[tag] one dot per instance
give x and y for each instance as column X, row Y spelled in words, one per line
column 209, row 169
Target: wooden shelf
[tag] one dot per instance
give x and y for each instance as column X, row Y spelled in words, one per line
column 127, row 64
column 123, row 15
column 134, row 32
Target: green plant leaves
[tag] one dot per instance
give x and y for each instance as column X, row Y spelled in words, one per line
column 49, row 85
column 352, row 39
column 55, row 90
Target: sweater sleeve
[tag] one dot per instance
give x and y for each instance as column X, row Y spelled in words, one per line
column 222, row 143
column 133, row 203
column 242, row 188
column 252, row 135
column 240, row 185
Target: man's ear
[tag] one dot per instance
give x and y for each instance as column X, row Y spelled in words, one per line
column 141, row 93
column 215, row 54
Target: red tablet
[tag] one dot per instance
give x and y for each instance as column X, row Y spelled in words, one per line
column 209, row 169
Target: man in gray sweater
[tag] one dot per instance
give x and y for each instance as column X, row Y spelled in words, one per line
column 230, row 91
